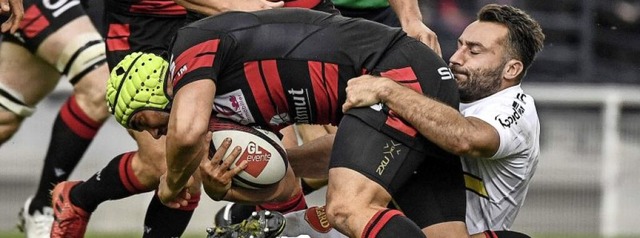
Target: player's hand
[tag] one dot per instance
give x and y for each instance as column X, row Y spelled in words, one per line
column 363, row 91
column 216, row 175
column 173, row 198
column 418, row 30
column 16, row 9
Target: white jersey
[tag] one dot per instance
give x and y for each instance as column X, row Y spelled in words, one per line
column 497, row 186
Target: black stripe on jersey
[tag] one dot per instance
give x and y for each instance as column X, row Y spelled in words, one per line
column 266, row 85
column 296, row 82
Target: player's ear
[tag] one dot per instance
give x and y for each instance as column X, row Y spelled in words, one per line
column 512, row 69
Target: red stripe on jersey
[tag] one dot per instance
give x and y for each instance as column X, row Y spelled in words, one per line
column 406, row 77
column 198, row 56
column 331, row 79
column 159, row 7
column 302, row 3
column 395, row 122
column 324, row 90
column 118, row 37
column 274, row 83
column 259, row 90
column 33, row 22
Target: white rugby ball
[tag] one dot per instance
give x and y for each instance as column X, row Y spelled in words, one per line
column 261, row 148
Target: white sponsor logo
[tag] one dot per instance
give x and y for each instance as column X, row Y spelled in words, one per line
column 445, row 73
column 507, row 120
column 301, row 105
column 233, row 106
column 59, row 7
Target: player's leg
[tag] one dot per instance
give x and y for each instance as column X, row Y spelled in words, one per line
column 361, row 181
column 84, row 112
column 149, row 165
column 127, row 174
column 63, row 37
column 21, row 90
column 24, row 80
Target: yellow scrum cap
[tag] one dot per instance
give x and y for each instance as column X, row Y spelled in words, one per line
column 136, row 83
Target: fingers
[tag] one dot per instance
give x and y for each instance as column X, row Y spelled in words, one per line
column 17, row 13
column 230, row 159
column 182, row 200
column 221, row 151
column 243, row 165
column 205, row 148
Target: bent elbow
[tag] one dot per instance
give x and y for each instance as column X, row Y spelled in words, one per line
column 186, row 139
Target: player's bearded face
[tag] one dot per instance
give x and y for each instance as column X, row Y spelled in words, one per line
column 477, row 83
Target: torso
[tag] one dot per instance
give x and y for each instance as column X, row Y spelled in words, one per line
column 301, row 79
column 497, row 186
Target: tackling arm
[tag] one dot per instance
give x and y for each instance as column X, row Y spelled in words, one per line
column 441, row 124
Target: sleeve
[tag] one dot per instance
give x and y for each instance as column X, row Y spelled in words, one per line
column 510, row 126
column 193, row 57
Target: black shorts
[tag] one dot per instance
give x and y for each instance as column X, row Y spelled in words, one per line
column 127, row 33
column 426, row 181
column 40, row 21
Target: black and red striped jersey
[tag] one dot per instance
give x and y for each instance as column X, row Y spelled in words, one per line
column 157, row 8
column 281, row 66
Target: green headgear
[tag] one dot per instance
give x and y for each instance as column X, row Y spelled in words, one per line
column 136, row 83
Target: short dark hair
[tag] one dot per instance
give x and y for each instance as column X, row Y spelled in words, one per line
column 525, row 37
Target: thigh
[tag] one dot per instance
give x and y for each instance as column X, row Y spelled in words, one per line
column 43, row 19
column 382, row 158
column 24, row 74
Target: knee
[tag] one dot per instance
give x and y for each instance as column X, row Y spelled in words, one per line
column 338, row 210
column 90, row 93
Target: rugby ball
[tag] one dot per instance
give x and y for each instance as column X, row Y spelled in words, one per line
column 261, row 148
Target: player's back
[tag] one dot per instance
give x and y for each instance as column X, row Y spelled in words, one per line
column 280, row 66
column 303, row 34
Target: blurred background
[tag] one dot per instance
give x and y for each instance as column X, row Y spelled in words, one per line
column 586, row 83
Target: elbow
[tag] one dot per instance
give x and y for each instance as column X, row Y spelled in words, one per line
column 186, row 137
column 462, row 149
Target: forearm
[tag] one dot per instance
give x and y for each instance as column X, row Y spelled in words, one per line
column 182, row 162
column 438, row 122
column 311, row 160
column 408, row 11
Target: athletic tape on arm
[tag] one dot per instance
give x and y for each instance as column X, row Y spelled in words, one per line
column 81, row 55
